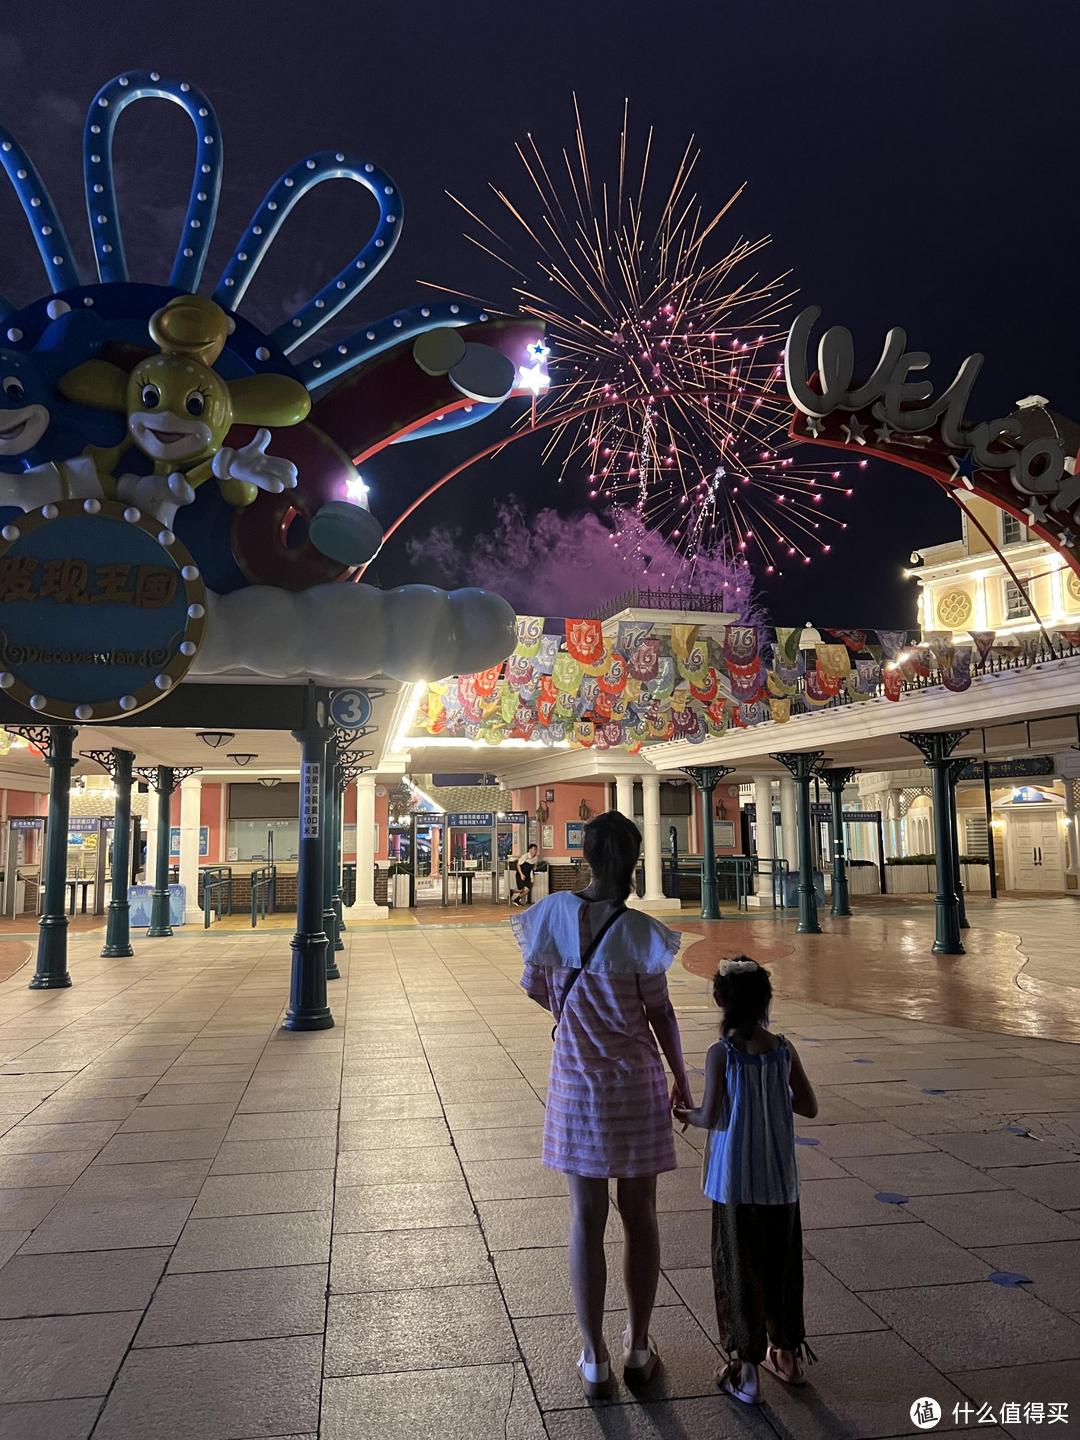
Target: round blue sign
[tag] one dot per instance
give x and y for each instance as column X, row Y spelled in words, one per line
column 350, row 709
column 101, row 611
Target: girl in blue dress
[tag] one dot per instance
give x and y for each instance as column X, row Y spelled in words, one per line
column 754, row 1086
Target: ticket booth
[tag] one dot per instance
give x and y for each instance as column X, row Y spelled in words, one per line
column 23, row 853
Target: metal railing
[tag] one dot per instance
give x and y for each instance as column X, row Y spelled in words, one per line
column 263, row 886
column 995, row 664
column 348, row 884
column 213, row 892
column 665, row 600
column 214, row 875
column 774, row 872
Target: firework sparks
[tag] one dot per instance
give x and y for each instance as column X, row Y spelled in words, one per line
column 679, row 349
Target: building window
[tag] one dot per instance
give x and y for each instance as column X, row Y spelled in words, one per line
column 1016, row 606
column 976, row 836
column 1012, row 532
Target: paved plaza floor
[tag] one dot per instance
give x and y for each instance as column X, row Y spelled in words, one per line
column 214, row 1230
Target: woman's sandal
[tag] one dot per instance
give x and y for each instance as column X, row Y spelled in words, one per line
column 771, row 1364
column 639, row 1366
column 596, row 1378
column 729, row 1380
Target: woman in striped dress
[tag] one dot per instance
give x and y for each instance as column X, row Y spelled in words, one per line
column 754, row 1086
column 600, row 970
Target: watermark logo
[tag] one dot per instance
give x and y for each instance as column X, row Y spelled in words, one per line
column 925, row 1413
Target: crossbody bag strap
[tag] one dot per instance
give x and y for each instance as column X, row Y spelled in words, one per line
column 587, row 955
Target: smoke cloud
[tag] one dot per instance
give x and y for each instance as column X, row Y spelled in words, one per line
column 552, row 564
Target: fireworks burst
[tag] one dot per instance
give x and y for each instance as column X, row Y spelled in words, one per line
column 672, row 354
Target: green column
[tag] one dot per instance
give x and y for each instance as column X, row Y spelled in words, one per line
column 330, row 817
column 936, row 747
column 706, row 778
column 308, row 1009
column 803, row 765
column 160, row 923
column 836, row 779
column 117, row 935
column 955, row 767
column 56, row 745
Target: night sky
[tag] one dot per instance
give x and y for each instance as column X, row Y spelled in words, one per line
column 915, row 163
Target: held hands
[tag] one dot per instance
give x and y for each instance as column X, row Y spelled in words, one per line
column 252, row 466
column 682, row 1102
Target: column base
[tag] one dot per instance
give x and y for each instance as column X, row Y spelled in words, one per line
column 367, row 910
column 159, row 932
column 50, row 982
column 116, row 952
column 193, row 916
column 308, row 1019
column 665, row 903
column 759, row 902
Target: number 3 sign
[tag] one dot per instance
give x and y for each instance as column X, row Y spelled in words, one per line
column 350, row 709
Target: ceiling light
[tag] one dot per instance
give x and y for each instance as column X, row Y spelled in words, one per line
column 243, row 758
column 269, row 781
column 215, row 738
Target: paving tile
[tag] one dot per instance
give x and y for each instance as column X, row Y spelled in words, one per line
column 551, row 1344
column 537, row 1282
column 61, row 1111
column 236, row 1305
column 403, row 1207
column 250, row 1388
column 469, row 1403
column 27, row 1138
column 932, row 1173
column 253, row 1157
column 175, row 1179
column 394, row 1167
column 1057, row 1186
column 275, row 1193
column 517, row 1143
column 513, row 1179
column 10, row 1242
column 826, row 1204
column 49, row 1420
column 873, row 1257
column 174, row 1093
column 62, row 1357
column 392, row 1135
column 959, row 1327
column 162, row 1145
column 868, row 1138
column 1053, row 1380
column 696, row 1419
column 23, row 1209
column 73, row 1284
column 999, row 1148
column 299, row 1097
column 109, row 1225
column 525, row 1224
column 685, row 1238
column 409, row 1260
column 176, row 1117
column 250, row 1242
column 491, row 1115
column 997, row 1217
column 283, row 1125
column 862, row 1387
column 1054, row 1268
column 391, row 1107
column 418, row 1330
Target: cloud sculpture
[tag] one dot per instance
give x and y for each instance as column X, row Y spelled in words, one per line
column 341, row 632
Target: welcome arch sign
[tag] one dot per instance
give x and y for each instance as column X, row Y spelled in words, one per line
column 1024, row 463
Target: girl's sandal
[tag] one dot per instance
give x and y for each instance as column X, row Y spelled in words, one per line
column 596, row 1379
column 729, row 1379
column 639, row 1366
column 787, row 1377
